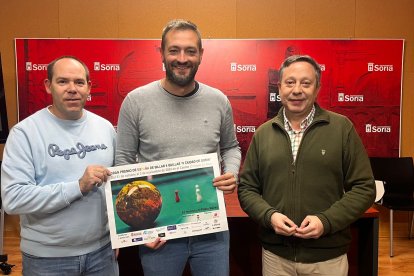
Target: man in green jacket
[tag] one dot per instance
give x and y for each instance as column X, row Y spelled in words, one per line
column 305, row 179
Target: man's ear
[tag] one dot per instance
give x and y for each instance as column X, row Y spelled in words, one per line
column 162, row 55
column 89, row 87
column 47, row 86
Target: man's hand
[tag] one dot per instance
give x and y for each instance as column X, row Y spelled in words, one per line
column 310, row 228
column 282, row 224
column 226, row 182
column 94, row 175
column 155, row 244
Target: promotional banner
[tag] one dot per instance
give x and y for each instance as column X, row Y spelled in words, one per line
column 360, row 79
column 170, row 199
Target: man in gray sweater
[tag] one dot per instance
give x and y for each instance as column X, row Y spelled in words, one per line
column 176, row 117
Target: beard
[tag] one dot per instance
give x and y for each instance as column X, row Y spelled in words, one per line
column 180, row 80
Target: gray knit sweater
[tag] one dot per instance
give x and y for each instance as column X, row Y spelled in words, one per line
column 154, row 125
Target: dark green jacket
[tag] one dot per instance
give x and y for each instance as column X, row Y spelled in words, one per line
column 331, row 178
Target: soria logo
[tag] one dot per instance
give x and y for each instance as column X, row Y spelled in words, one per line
column 369, row 128
column 273, row 97
column 372, row 67
column 350, row 98
column 244, row 129
column 97, row 66
column 35, row 67
column 234, row 67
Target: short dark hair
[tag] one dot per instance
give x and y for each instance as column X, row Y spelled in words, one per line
column 304, row 58
column 51, row 66
column 180, row 24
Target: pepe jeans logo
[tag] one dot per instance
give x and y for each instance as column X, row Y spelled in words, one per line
column 80, row 150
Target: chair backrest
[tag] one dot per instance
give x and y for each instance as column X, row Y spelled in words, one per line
column 396, row 172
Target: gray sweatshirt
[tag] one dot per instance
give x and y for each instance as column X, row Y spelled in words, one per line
column 154, row 125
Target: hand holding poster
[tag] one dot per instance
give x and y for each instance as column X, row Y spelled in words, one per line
column 170, row 199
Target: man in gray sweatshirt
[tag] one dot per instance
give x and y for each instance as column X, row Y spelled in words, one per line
column 176, row 117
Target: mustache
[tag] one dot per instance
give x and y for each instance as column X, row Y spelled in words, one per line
column 178, row 63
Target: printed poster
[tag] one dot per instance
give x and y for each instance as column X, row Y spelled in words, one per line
column 170, row 199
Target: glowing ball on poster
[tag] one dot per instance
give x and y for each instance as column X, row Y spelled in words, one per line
column 138, row 204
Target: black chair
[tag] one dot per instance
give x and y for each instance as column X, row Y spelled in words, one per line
column 398, row 176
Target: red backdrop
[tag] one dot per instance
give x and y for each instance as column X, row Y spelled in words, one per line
column 361, row 78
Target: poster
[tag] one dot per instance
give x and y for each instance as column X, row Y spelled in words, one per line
column 169, row 199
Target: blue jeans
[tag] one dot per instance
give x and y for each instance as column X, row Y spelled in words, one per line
column 101, row 262
column 207, row 255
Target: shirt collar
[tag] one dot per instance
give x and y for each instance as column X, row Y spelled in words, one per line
column 304, row 124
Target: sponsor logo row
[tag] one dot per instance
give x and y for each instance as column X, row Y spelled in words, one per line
column 171, row 231
column 234, row 67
